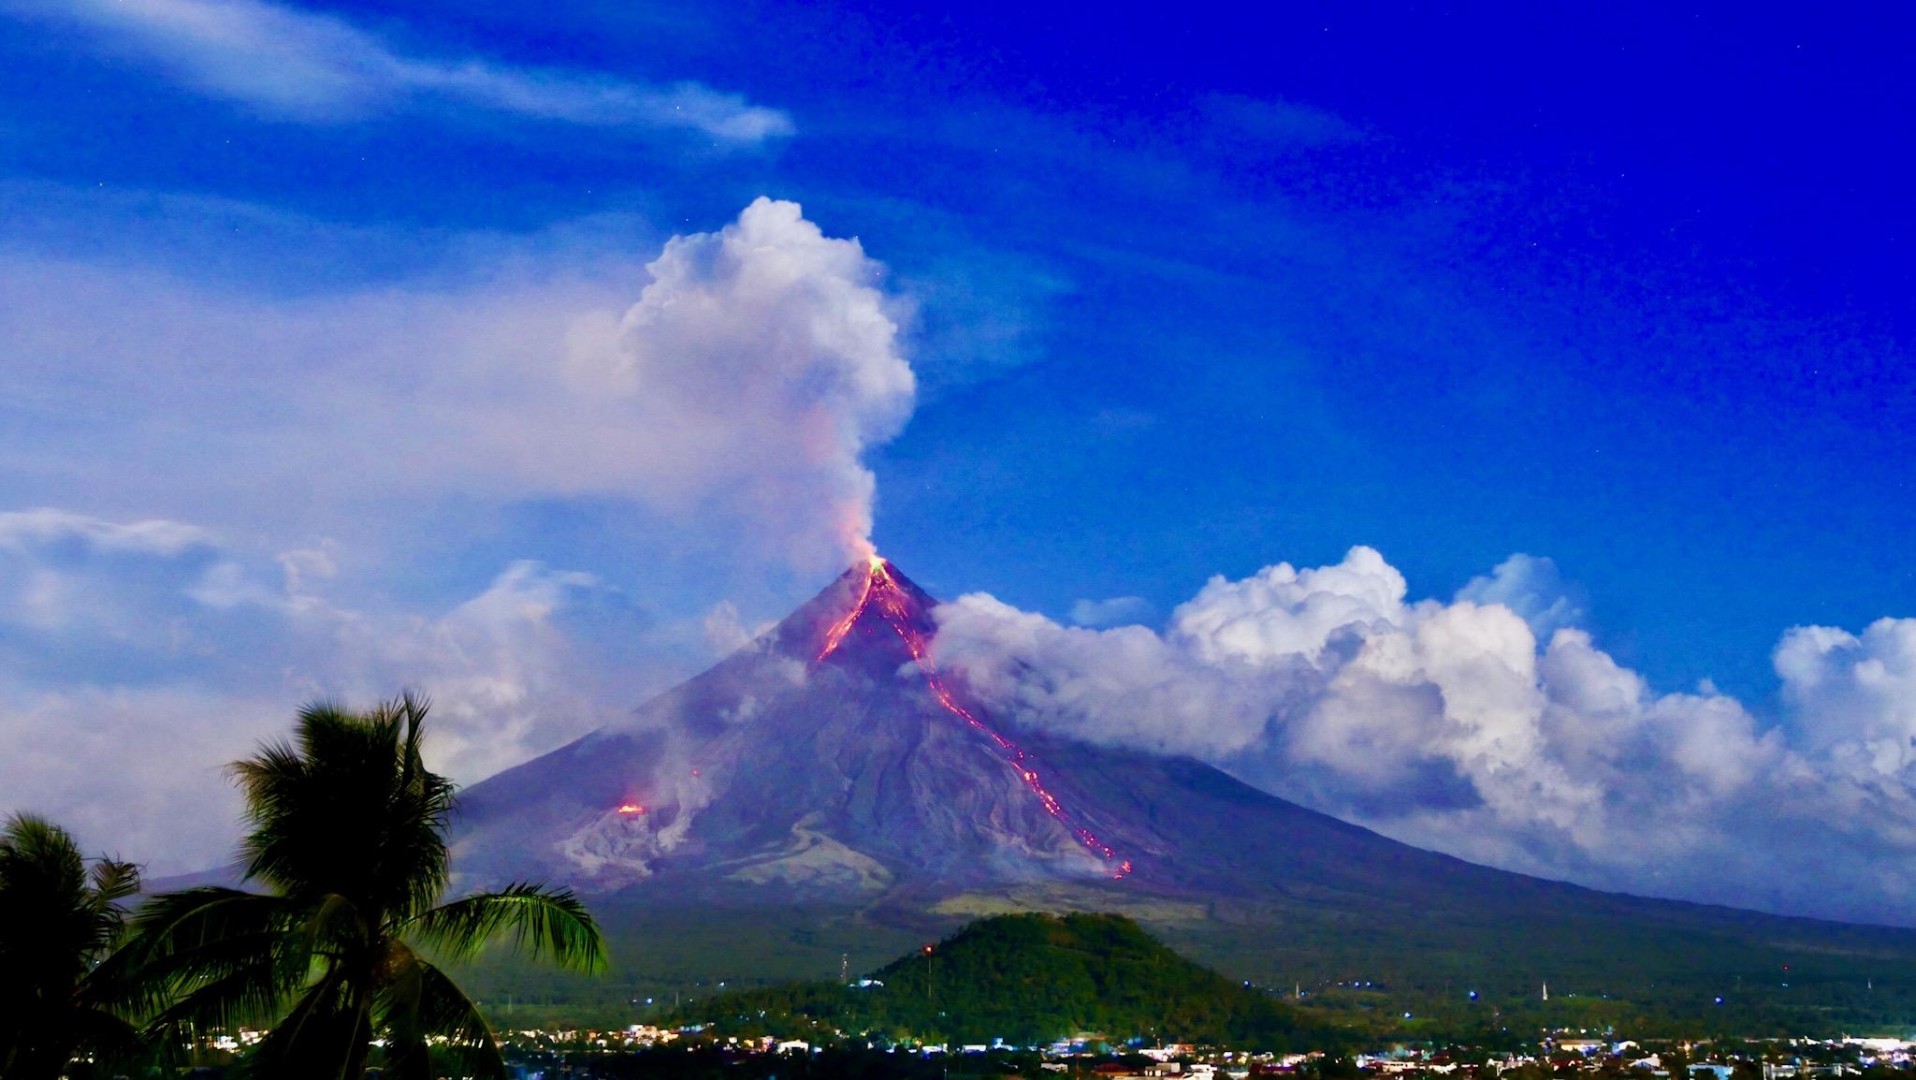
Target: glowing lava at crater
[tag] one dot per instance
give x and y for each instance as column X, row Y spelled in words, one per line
column 894, row 607
column 629, row 809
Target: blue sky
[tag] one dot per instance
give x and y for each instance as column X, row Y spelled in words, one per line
column 1181, row 293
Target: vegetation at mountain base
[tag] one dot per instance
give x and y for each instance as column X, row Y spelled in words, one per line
column 1030, row 979
column 58, row 918
column 1362, row 969
column 348, row 833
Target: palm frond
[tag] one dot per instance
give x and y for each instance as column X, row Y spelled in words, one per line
column 179, row 921
column 107, row 1035
column 242, row 977
column 349, row 807
column 209, row 955
column 34, row 848
column 43, row 884
column 420, row 1001
column 335, row 924
column 544, row 923
column 58, row 918
column 322, row 1038
column 114, row 880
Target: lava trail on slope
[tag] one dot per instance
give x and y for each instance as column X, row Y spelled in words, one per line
column 892, row 605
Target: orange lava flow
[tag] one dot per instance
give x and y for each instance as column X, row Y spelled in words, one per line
column 844, row 626
column 891, row 604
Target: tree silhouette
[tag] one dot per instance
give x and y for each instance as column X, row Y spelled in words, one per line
column 58, row 918
column 348, row 831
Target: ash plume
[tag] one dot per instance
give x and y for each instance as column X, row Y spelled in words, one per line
column 760, row 363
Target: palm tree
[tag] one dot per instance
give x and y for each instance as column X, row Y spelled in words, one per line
column 58, row 918
column 348, row 831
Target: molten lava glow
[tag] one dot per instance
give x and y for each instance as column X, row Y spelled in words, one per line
column 844, row 626
column 892, row 606
column 631, row 808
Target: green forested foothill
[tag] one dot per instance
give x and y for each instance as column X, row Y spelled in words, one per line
column 1030, row 979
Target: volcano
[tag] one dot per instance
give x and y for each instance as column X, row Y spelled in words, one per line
column 828, row 788
column 828, row 759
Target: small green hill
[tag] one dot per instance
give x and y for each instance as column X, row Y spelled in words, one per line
column 1029, row 979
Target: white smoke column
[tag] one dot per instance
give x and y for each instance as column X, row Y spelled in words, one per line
column 730, row 391
column 759, row 364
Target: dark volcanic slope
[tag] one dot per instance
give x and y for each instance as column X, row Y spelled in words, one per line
column 821, row 760
column 822, row 769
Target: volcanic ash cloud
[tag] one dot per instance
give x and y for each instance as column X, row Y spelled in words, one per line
column 759, row 364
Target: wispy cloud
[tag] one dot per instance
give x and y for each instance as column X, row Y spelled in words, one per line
column 317, row 68
column 136, row 659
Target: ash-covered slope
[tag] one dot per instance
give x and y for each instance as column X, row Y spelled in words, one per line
column 824, row 760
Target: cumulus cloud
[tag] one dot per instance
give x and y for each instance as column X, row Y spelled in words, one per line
column 317, row 68
column 1854, row 697
column 1533, row 588
column 1489, row 728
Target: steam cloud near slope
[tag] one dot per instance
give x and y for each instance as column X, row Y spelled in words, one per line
column 1463, row 727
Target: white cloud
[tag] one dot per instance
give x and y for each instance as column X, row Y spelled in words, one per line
column 1452, row 726
column 1854, row 697
column 1282, row 612
column 319, row 68
column 22, row 529
column 1533, row 588
column 1126, row 685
